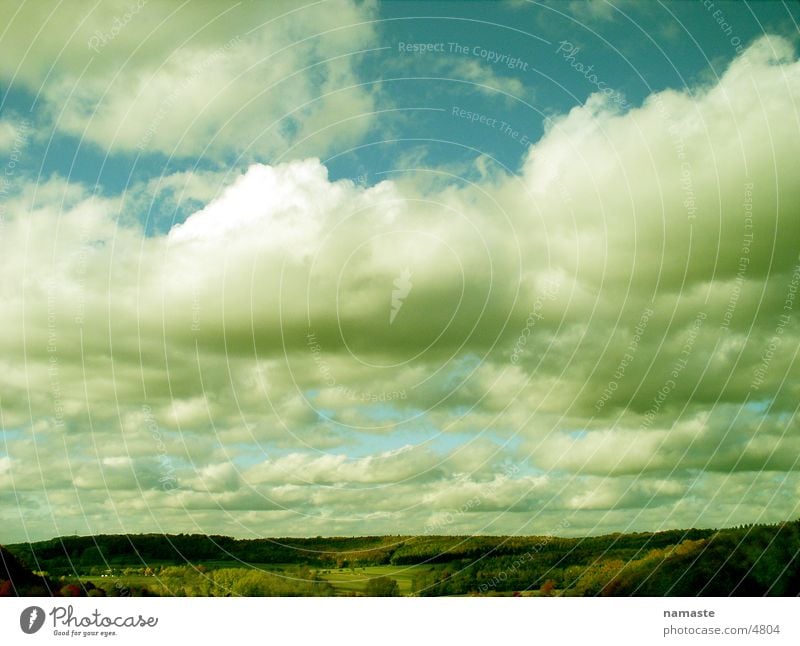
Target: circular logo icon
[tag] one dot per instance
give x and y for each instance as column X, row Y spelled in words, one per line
column 31, row 619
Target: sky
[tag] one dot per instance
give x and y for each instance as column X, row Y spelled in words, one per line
column 359, row 268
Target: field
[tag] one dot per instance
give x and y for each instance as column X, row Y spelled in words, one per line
column 356, row 579
column 344, row 581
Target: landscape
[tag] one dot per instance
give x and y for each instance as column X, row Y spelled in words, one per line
column 390, row 298
column 759, row 560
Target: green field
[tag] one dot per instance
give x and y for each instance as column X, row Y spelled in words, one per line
column 345, row 581
column 355, row 579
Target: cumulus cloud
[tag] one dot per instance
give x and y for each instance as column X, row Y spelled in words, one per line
column 121, row 74
column 581, row 339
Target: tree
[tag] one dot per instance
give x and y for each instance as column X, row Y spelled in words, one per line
column 382, row 586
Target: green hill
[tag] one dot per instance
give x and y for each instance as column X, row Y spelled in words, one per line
column 748, row 560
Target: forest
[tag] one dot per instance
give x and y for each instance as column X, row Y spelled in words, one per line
column 751, row 560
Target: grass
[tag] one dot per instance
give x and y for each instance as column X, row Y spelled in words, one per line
column 355, row 580
column 344, row 581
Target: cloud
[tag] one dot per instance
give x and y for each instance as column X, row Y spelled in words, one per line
column 726, row 439
column 122, row 74
column 592, row 10
column 590, row 321
column 13, row 134
column 396, row 466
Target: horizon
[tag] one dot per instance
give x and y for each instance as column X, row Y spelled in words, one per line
column 404, row 536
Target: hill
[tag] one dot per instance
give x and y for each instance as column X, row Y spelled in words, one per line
column 748, row 560
column 16, row 580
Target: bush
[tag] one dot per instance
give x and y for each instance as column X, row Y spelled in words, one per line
column 382, row 586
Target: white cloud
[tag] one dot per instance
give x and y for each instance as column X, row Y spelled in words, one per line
column 252, row 76
column 12, row 136
column 407, row 463
column 207, row 329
